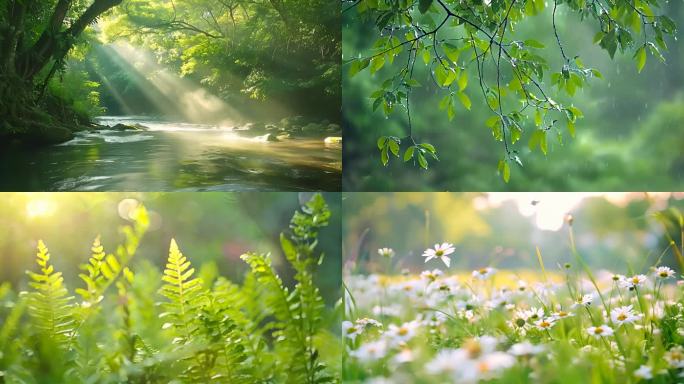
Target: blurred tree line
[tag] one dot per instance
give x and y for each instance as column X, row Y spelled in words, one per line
column 629, row 139
column 608, row 234
column 213, row 228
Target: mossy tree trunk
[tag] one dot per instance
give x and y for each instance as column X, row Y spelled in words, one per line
column 25, row 59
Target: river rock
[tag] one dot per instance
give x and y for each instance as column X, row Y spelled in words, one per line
column 269, row 137
column 124, row 127
column 284, row 136
column 333, row 140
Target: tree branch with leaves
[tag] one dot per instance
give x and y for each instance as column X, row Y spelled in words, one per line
column 457, row 40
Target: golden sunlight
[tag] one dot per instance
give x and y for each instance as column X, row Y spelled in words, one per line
column 40, row 208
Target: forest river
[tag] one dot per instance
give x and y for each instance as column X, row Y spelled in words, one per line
column 172, row 156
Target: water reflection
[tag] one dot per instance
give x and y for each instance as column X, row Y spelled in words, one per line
column 173, row 156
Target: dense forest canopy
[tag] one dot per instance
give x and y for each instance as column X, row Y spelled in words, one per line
column 68, row 60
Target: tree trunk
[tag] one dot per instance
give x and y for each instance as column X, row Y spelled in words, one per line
column 17, row 13
column 54, row 44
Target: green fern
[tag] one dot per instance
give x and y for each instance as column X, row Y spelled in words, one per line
column 298, row 312
column 49, row 303
column 183, row 293
column 103, row 270
column 259, row 331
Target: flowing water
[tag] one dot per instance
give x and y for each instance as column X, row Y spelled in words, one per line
column 172, row 156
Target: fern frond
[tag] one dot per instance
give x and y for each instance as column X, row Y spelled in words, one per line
column 104, row 269
column 277, row 296
column 308, row 303
column 49, row 303
column 183, row 293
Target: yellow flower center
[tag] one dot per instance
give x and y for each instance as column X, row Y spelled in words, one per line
column 598, row 330
column 621, row 317
column 635, row 280
column 439, row 252
column 483, row 271
column 473, row 348
column 403, row 331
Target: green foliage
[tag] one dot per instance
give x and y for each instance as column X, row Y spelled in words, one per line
column 183, row 293
column 49, row 303
column 202, row 329
column 444, row 45
column 298, row 312
column 283, row 51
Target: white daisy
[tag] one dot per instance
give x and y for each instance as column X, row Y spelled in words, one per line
column 623, row 315
column 371, row 351
column 545, row 324
column 400, row 334
column 386, row 252
column 675, row 357
column 441, row 251
column 584, row 301
column 366, row 322
column 525, row 349
column 534, row 314
column 633, row 282
column 431, row 276
column 483, row 273
column 664, row 272
column 561, row 314
column 351, row 330
column 644, row 372
column 600, row 331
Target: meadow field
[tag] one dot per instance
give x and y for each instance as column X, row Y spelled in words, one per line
column 554, row 322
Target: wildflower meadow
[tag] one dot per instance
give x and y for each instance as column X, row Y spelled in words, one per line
column 562, row 323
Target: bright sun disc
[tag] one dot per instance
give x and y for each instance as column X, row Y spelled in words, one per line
column 39, row 208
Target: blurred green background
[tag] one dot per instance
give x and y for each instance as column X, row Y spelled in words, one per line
column 612, row 231
column 631, row 138
column 209, row 227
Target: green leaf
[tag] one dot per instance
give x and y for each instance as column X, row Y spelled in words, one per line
column 543, row 145
column 412, row 83
column 426, row 56
column 424, row 5
column 533, row 43
column 571, row 128
column 394, row 147
column 451, row 51
column 463, row 80
column 357, row 66
column 377, row 63
column 384, row 157
column 381, row 142
column 465, row 100
column 408, row 155
column 640, row 57
column 516, row 133
column 429, row 147
column 504, row 170
column 422, row 161
column 444, row 75
column 609, row 43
